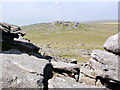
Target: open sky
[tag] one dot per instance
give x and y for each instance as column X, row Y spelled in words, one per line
column 25, row 13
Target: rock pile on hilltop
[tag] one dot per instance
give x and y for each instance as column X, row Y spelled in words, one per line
column 63, row 23
column 104, row 63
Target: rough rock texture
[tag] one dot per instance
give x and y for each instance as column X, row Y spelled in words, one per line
column 24, row 71
column 10, row 31
column 22, row 65
column 69, row 69
column 113, row 44
column 65, row 66
column 67, row 82
column 104, row 63
column 20, row 69
column 12, row 38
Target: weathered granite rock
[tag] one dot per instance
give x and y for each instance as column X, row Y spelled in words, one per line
column 113, row 44
column 105, row 63
column 102, row 63
column 65, row 66
column 106, row 58
column 21, row 70
column 9, row 31
column 12, row 38
column 108, row 82
column 72, row 70
column 67, row 82
column 25, row 71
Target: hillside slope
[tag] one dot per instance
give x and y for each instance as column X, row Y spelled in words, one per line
column 70, row 40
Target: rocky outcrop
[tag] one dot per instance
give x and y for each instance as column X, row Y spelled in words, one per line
column 12, row 38
column 9, row 31
column 112, row 84
column 66, row 23
column 69, row 69
column 113, row 44
column 24, row 67
column 104, row 63
column 66, row 82
column 20, row 70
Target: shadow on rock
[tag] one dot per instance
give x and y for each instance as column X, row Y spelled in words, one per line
column 12, row 38
column 40, row 83
column 108, row 82
column 47, row 74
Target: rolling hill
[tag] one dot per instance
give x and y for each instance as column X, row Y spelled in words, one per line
column 70, row 40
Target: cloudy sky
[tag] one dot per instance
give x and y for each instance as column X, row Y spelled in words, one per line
column 25, row 13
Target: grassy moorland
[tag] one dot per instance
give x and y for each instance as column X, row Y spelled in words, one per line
column 67, row 40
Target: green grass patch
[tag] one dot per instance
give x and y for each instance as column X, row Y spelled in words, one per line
column 93, row 35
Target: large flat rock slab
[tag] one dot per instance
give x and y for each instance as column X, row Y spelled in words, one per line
column 21, row 70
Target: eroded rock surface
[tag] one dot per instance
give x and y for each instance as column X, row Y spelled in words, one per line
column 22, row 64
column 9, row 31
column 104, row 64
column 113, row 44
column 24, row 71
column 67, row 82
column 20, row 69
column 12, row 38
